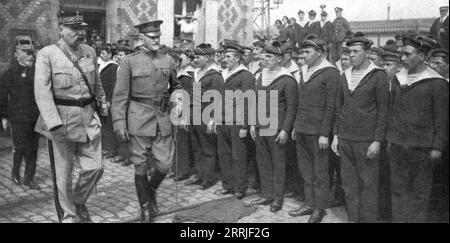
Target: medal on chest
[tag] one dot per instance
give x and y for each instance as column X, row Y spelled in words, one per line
column 24, row 75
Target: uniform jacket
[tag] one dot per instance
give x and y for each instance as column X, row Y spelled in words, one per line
column 212, row 80
column 287, row 101
column 361, row 115
column 419, row 114
column 341, row 27
column 17, row 103
column 302, row 32
column 442, row 38
column 56, row 77
column 108, row 76
column 149, row 76
column 186, row 79
column 326, row 32
column 317, row 101
column 313, row 28
column 243, row 80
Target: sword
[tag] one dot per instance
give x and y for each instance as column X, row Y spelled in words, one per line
column 59, row 210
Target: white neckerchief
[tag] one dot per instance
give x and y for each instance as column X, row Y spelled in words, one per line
column 402, row 76
column 226, row 73
column 348, row 75
column 185, row 72
column 266, row 81
column 324, row 64
column 103, row 65
column 293, row 67
column 323, row 23
column 199, row 74
column 303, row 23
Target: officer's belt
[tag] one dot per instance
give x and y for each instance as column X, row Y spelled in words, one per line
column 147, row 101
column 77, row 103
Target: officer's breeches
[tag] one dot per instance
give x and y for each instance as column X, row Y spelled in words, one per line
column 313, row 164
column 160, row 151
column 89, row 156
column 411, row 181
column 232, row 158
column 271, row 160
column 360, row 181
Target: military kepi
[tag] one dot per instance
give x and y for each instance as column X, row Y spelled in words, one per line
column 70, row 19
column 152, row 28
column 25, row 45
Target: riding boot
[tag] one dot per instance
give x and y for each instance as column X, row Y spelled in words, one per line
column 142, row 185
column 155, row 181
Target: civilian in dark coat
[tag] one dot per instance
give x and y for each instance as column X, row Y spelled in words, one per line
column 418, row 131
column 18, row 107
column 206, row 75
column 231, row 134
column 270, row 140
column 360, row 127
column 440, row 29
column 313, row 127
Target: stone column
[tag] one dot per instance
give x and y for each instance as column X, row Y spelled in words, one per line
column 210, row 23
column 112, row 21
column 166, row 13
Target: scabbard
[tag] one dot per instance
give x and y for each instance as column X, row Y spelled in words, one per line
column 59, row 210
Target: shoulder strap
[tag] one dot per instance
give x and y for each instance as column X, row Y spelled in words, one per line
column 77, row 66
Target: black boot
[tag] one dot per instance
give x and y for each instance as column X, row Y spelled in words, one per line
column 142, row 185
column 17, row 162
column 155, row 181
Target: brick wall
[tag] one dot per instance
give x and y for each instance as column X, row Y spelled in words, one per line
column 125, row 14
column 236, row 20
column 38, row 18
column 30, row 17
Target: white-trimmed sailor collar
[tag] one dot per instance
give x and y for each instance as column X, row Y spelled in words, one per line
column 197, row 78
column 402, row 76
column 348, row 72
column 185, row 72
column 323, row 23
column 226, row 72
column 324, row 64
column 282, row 72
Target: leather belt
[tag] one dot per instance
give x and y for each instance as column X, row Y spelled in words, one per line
column 76, row 103
column 147, row 101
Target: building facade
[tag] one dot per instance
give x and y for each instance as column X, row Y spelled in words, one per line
column 114, row 20
column 382, row 31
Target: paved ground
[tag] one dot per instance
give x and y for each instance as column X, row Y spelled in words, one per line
column 115, row 199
